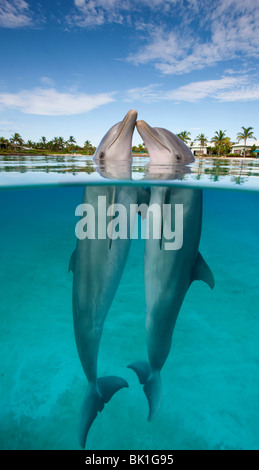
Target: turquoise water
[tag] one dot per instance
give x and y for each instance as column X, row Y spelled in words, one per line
column 210, row 381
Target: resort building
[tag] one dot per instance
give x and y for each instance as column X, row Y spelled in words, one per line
column 239, row 147
column 196, row 149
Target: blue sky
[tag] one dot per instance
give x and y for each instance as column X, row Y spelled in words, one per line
column 75, row 67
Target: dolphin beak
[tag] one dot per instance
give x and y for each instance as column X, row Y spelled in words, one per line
column 133, row 113
column 129, row 121
column 127, row 125
column 146, row 131
column 144, row 128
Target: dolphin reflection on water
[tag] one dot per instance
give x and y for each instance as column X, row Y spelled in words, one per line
column 98, row 263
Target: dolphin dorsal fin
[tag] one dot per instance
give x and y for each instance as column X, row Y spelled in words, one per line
column 202, row 272
column 72, row 262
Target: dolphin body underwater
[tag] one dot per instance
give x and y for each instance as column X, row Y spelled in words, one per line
column 168, row 274
column 97, row 266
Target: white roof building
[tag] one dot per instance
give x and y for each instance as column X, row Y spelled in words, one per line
column 235, row 149
column 196, row 149
column 239, row 147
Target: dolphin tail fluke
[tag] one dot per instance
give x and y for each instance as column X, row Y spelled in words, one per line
column 142, row 369
column 152, row 389
column 94, row 401
column 152, row 385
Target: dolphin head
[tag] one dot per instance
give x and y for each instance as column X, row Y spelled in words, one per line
column 117, row 142
column 164, row 146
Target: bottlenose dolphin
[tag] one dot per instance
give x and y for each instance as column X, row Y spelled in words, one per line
column 97, row 265
column 168, row 273
column 163, row 146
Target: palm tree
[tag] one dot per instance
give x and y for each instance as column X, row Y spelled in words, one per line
column 61, row 142
column 16, row 139
column 58, row 143
column 55, row 143
column 227, row 144
column 142, row 148
column 202, row 141
column 246, row 134
column 29, row 144
column 184, row 136
column 43, row 141
column 219, row 139
column 70, row 142
column 4, row 142
column 89, row 148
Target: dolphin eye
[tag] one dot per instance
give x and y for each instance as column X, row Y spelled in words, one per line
column 101, row 156
column 178, row 157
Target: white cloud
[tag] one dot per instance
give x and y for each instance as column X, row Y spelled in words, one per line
column 47, row 81
column 249, row 93
column 14, row 14
column 50, row 102
column 196, row 91
column 238, row 88
column 89, row 13
column 162, row 46
column 148, row 94
column 226, row 30
column 96, row 12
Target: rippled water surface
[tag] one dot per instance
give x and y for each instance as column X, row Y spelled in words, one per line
column 205, row 172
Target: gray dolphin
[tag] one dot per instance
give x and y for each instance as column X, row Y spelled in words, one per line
column 97, row 265
column 168, row 273
column 163, row 146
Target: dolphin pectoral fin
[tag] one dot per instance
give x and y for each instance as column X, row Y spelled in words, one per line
column 72, row 262
column 142, row 369
column 152, row 385
column 94, row 401
column 202, row 272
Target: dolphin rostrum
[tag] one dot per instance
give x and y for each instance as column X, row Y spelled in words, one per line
column 168, row 273
column 163, row 146
column 97, row 265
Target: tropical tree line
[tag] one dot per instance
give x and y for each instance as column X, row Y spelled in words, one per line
column 222, row 143
column 57, row 144
column 141, row 148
